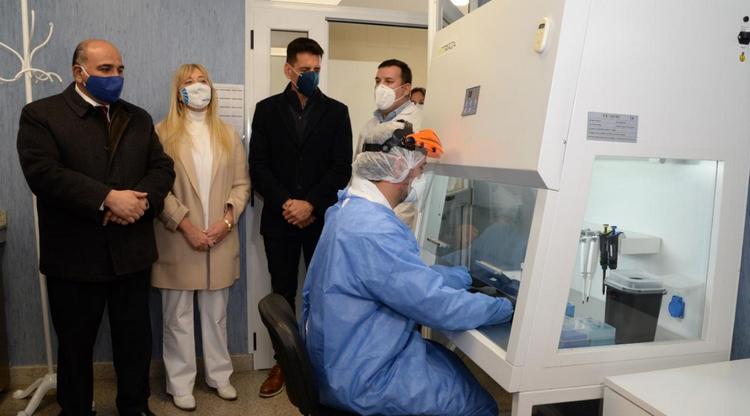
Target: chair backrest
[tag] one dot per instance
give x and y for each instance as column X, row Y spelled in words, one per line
column 291, row 354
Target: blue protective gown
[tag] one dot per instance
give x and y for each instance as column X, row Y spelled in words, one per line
column 365, row 291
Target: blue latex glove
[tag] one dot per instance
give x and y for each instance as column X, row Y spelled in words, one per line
column 456, row 277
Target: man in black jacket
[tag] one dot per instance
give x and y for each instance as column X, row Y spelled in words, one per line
column 300, row 156
column 100, row 177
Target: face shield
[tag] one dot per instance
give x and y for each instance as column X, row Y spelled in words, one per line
column 393, row 159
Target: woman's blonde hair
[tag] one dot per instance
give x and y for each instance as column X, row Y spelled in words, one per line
column 173, row 127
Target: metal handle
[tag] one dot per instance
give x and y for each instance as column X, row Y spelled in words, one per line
column 440, row 244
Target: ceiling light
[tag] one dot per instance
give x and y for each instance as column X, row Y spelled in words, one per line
column 460, row 2
column 325, row 2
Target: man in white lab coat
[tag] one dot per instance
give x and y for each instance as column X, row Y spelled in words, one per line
column 394, row 108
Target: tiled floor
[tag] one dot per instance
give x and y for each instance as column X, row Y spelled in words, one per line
column 209, row 403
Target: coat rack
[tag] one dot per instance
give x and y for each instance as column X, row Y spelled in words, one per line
column 41, row 386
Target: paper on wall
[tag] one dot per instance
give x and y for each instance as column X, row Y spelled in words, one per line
column 232, row 105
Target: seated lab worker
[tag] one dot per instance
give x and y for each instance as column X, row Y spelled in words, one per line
column 393, row 110
column 366, row 291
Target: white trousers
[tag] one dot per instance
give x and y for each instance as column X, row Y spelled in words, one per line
column 179, row 339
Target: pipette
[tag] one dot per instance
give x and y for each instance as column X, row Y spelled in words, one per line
column 589, row 245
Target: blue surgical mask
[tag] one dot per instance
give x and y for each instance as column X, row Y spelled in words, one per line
column 307, row 82
column 105, row 89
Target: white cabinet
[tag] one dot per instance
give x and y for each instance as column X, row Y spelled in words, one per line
column 635, row 115
column 709, row 389
column 616, row 405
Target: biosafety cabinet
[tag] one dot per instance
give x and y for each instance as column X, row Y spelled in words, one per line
column 596, row 166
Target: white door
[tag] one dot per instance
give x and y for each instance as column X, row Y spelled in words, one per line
column 269, row 27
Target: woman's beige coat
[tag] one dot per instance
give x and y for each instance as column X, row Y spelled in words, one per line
column 179, row 265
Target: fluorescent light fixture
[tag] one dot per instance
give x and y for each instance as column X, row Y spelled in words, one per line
column 325, row 2
column 460, row 2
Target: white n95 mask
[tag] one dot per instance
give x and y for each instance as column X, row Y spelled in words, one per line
column 196, row 96
column 384, row 97
column 417, row 189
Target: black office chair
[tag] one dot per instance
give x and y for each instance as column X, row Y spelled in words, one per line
column 291, row 354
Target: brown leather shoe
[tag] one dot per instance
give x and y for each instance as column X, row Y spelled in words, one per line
column 274, row 383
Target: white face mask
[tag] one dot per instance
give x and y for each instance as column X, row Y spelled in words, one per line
column 417, row 189
column 196, row 96
column 385, row 97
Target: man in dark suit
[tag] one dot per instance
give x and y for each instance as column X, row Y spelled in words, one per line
column 100, row 177
column 300, row 156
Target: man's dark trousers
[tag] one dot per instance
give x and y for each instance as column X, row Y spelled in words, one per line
column 77, row 308
column 283, row 254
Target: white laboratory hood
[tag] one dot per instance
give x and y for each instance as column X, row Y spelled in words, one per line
column 486, row 64
column 558, row 117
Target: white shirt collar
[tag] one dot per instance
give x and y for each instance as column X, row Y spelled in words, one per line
column 390, row 116
column 89, row 99
column 365, row 189
column 198, row 117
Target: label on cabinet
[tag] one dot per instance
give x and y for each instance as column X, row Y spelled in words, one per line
column 612, row 127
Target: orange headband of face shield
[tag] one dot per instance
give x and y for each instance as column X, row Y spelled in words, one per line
column 426, row 140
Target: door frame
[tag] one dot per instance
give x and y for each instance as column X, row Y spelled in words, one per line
column 261, row 16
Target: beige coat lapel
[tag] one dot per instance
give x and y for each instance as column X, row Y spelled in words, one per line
column 186, row 158
column 217, row 155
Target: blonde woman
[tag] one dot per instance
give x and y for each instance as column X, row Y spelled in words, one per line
column 199, row 249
